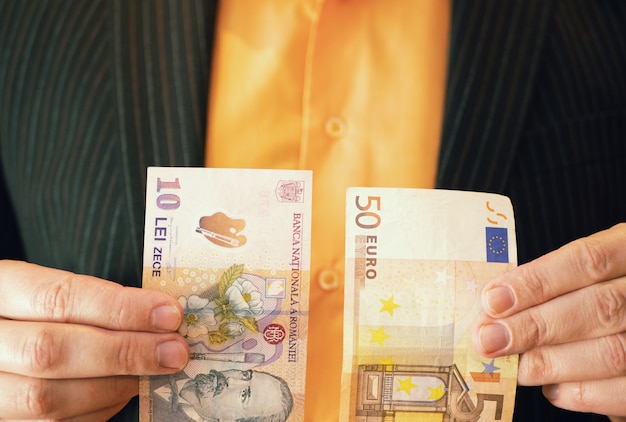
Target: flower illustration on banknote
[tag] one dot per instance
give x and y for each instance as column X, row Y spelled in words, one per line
column 199, row 316
column 224, row 314
column 244, row 298
column 232, row 329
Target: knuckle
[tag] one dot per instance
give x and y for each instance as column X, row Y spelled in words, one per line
column 122, row 309
column 41, row 352
column 594, row 258
column 539, row 368
column 614, row 353
column 583, row 397
column 37, row 398
column 536, row 330
column 610, row 307
column 53, row 301
column 128, row 356
column 533, row 282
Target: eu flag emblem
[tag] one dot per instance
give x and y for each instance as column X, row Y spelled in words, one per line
column 497, row 244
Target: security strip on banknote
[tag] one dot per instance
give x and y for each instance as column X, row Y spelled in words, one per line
column 233, row 247
column 416, row 261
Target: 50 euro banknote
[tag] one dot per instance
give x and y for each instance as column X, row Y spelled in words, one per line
column 233, row 247
column 416, row 262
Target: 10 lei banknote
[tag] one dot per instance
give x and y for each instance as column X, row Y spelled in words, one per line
column 233, row 247
column 416, row 261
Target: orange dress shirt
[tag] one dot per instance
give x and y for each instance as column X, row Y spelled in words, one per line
column 350, row 89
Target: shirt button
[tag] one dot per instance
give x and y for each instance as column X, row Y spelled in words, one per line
column 336, row 127
column 328, row 279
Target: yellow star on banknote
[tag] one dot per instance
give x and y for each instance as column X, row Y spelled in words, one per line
column 406, row 385
column 379, row 336
column 436, row 393
column 388, row 305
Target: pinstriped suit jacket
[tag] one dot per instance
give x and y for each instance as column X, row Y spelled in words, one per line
column 92, row 92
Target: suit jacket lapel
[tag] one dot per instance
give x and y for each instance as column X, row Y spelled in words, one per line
column 494, row 50
column 162, row 59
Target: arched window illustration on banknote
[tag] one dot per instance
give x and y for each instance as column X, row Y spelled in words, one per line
column 386, row 390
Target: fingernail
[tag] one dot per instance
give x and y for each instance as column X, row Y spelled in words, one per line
column 172, row 354
column 551, row 391
column 499, row 299
column 494, row 337
column 166, row 318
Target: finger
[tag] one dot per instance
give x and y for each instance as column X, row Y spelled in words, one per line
column 578, row 264
column 31, row 398
column 601, row 396
column 52, row 350
column 34, row 293
column 593, row 312
column 580, row 361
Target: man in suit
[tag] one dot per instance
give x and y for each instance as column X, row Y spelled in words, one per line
column 534, row 110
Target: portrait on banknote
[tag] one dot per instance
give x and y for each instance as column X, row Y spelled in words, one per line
column 228, row 395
